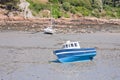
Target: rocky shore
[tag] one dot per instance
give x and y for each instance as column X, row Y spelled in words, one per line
column 79, row 25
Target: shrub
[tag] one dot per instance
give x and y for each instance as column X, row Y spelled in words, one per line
column 72, row 10
column 84, row 11
column 56, row 11
column 82, row 3
column 66, row 6
column 53, row 1
column 97, row 5
column 118, row 12
column 66, row 15
column 37, row 7
column 96, row 13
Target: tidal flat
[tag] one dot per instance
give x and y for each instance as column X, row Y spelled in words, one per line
column 29, row 56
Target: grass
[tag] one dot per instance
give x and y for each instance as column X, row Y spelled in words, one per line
column 65, row 9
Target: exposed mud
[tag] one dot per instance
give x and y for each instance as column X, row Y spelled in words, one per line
column 27, row 56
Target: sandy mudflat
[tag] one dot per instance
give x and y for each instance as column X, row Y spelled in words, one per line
column 28, row 56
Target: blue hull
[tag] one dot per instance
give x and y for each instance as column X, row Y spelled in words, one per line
column 75, row 55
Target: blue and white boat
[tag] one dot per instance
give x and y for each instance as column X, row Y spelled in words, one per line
column 71, row 52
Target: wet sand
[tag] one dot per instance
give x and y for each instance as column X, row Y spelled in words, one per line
column 29, row 56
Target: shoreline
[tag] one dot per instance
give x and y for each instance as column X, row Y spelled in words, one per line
column 79, row 25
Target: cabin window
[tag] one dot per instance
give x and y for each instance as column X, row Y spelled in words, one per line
column 63, row 46
column 72, row 45
column 66, row 46
column 75, row 44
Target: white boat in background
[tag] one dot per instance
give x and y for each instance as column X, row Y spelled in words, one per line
column 48, row 30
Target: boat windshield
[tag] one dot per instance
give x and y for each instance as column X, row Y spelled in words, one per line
column 71, row 45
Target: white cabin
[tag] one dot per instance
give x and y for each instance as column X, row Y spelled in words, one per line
column 71, row 45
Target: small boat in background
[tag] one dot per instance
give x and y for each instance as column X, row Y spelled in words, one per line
column 48, row 30
column 71, row 52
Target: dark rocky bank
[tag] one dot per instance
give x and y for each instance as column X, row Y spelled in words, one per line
column 80, row 25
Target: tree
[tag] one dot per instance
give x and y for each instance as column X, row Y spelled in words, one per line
column 10, row 4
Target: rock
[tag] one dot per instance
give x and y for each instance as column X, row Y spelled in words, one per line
column 24, row 6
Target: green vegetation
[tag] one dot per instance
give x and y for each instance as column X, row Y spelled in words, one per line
column 66, row 8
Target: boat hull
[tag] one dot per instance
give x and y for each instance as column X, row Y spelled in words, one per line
column 75, row 55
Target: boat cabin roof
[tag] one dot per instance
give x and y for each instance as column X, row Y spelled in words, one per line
column 70, row 45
